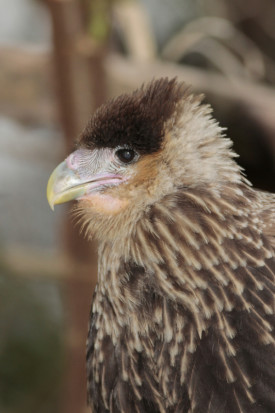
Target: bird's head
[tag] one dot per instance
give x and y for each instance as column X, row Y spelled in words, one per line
column 139, row 148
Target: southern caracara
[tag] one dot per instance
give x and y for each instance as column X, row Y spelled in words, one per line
column 182, row 317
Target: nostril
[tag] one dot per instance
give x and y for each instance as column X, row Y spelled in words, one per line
column 72, row 161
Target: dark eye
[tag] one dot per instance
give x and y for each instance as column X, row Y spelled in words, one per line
column 125, row 155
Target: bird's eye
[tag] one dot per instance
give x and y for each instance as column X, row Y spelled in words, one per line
column 125, row 155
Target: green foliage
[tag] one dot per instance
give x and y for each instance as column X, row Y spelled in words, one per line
column 99, row 24
column 31, row 347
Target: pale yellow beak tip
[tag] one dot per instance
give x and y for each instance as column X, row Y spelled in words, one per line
column 50, row 194
column 64, row 185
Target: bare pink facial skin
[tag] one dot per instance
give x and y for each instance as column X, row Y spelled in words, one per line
column 84, row 166
column 105, row 204
column 86, row 175
column 92, row 168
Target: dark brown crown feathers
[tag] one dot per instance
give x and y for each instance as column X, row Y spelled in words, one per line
column 135, row 120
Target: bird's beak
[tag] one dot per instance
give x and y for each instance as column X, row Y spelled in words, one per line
column 67, row 181
column 63, row 185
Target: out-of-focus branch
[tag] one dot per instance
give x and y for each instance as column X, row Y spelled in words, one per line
column 220, row 43
column 134, row 24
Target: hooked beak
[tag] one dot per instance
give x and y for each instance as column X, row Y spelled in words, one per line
column 66, row 183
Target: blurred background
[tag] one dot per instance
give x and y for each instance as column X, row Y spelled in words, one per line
column 59, row 60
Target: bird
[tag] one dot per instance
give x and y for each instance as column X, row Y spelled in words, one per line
column 182, row 317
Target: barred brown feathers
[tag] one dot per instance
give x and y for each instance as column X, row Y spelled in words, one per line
column 189, row 319
column 182, row 318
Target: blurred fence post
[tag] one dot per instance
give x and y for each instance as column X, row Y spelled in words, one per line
column 80, row 86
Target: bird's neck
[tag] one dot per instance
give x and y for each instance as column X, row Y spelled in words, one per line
column 187, row 249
